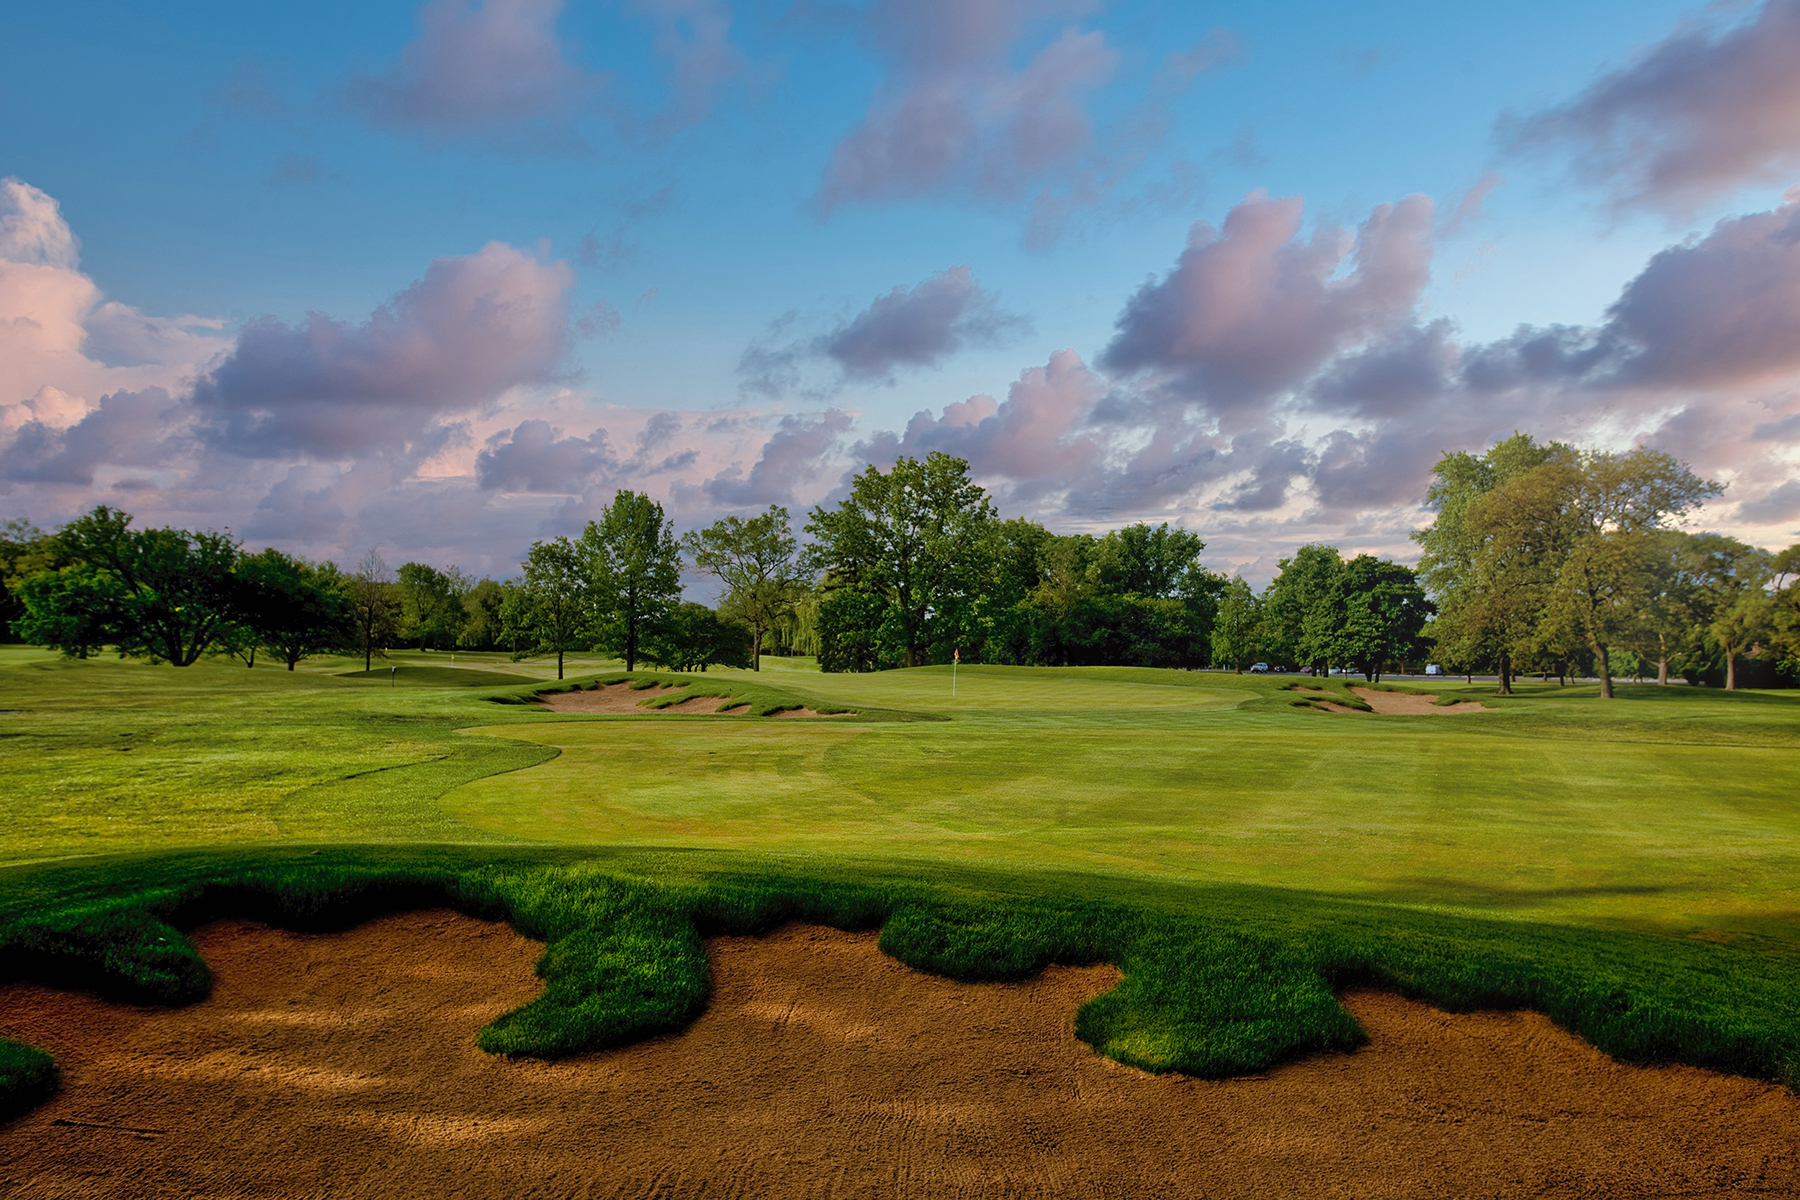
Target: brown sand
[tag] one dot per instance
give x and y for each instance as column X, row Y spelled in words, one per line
column 620, row 698
column 1395, row 703
column 344, row 1066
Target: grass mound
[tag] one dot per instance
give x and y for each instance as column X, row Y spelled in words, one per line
column 1216, row 983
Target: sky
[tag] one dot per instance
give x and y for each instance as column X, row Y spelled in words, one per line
column 439, row 279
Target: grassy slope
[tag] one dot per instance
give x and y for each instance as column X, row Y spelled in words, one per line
column 1235, row 855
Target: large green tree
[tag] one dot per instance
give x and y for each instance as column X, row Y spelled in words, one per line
column 1597, row 515
column 1145, row 560
column 73, row 609
column 294, row 607
column 755, row 561
column 633, row 564
column 1303, row 587
column 1487, row 563
column 552, row 604
column 170, row 591
column 915, row 536
column 431, row 605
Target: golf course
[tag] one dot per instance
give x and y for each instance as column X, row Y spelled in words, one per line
column 1238, row 849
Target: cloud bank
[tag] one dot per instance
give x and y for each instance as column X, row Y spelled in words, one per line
column 1276, row 383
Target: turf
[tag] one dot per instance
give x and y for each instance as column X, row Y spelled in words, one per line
column 1629, row 868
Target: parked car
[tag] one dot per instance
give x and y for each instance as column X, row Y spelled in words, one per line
column 1259, row 668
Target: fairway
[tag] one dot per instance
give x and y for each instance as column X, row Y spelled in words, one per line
column 1672, row 809
column 1551, row 807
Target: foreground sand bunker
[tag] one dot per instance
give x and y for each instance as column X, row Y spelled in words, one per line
column 622, row 698
column 344, row 1065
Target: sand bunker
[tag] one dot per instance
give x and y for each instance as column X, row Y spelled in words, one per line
column 1394, row 703
column 621, row 698
column 344, row 1065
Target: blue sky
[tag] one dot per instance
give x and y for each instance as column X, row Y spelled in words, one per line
column 792, row 228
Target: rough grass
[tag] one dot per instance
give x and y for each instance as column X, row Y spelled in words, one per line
column 1216, row 983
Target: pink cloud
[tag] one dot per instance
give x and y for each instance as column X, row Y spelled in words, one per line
column 1710, row 108
column 467, row 331
column 956, row 114
column 488, row 68
column 1253, row 309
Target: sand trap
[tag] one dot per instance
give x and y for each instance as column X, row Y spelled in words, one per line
column 620, row 698
column 1394, row 703
column 343, row 1065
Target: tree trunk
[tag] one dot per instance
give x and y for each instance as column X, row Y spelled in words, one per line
column 1606, row 686
column 1505, row 676
column 1730, row 670
column 559, row 661
column 755, row 650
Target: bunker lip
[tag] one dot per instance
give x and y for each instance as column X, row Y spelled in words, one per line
column 1392, row 704
column 346, row 1062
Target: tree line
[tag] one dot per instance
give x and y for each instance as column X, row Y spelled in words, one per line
column 1541, row 557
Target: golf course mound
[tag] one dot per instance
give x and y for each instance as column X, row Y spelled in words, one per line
column 330, row 1061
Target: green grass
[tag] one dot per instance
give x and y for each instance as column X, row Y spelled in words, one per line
column 1632, row 868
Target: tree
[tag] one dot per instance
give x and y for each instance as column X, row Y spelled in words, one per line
column 1304, row 587
column 373, row 606
column 633, row 564
column 483, row 627
column 171, row 591
column 848, row 630
column 1488, row 588
column 915, row 536
column 431, row 605
column 72, row 610
column 552, row 604
column 1376, row 611
column 694, row 637
column 1724, row 598
column 1784, row 608
column 1237, row 633
column 1139, row 560
column 754, row 559
column 25, row 550
column 294, row 607
column 1614, row 504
